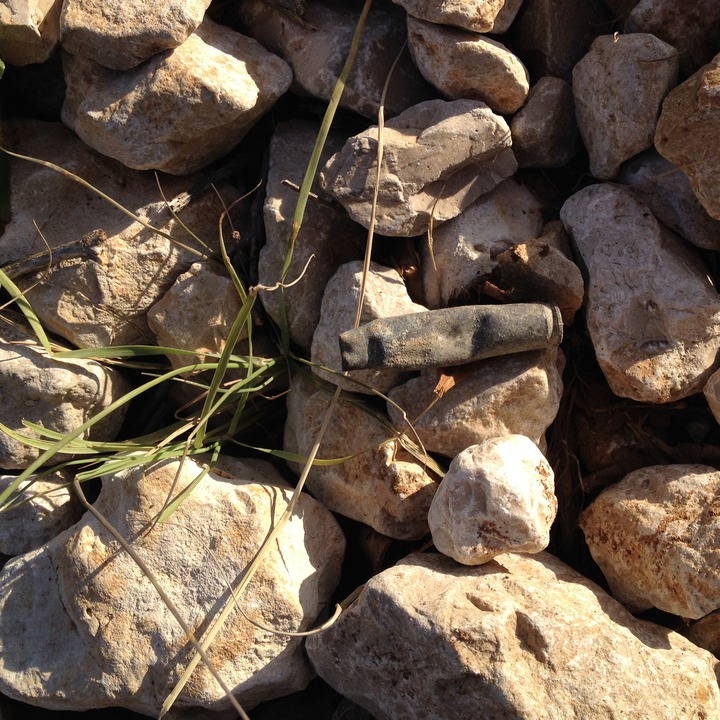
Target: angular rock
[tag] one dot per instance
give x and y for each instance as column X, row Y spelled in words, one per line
column 83, row 628
column 518, row 637
column 60, row 395
column 384, row 487
column 327, row 235
column 462, row 64
column 544, row 132
column 464, row 249
column 656, row 537
column 438, row 157
column 705, row 633
column 29, row 30
column 215, row 86
column 496, row 497
column 688, row 130
column 618, row 88
column 512, row 395
column 120, row 34
column 385, row 296
column 480, row 16
column 317, row 47
column 653, row 313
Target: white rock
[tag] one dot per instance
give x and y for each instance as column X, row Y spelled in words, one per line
column 477, row 15
column 29, row 30
column 518, row 637
column 496, row 497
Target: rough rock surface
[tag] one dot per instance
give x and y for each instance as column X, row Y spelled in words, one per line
column 496, row 497
column 518, row 637
column 60, row 395
column 384, row 487
column 480, row 16
column 463, row 64
column 182, row 108
column 656, row 537
column 29, row 30
column 123, row 648
column 121, row 34
column 653, row 313
column 688, row 131
column 712, row 394
column 385, row 296
column 515, row 394
column 618, row 88
column 438, row 157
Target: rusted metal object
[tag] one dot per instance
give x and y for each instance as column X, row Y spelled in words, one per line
column 451, row 336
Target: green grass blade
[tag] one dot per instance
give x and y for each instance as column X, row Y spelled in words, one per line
column 26, row 309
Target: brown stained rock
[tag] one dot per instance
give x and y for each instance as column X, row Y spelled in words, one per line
column 479, row 16
column 618, row 87
column 182, row 108
column 29, row 30
column 705, row 633
column 688, row 130
column 656, row 537
column 438, row 158
column 463, row 64
column 518, row 637
column 120, row 34
column 653, row 313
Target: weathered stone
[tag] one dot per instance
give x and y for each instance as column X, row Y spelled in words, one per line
column 618, row 88
column 544, row 132
column 496, row 497
column 712, row 394
column 182, row 108
column 462, row 64
column 327, row 235
column 518, row 637
column 83, row 627
column 688, row 131
column 437, row 158
column 317, row 47
column 45, row 508
column 656, row 537
column 480, row 16
column 381, row 485
column 60, row 395
column 705, row 633
column 653, row 313
column 120, row 34
column 511, row 395
column 666, row 190
column 29, row 30
column 464, row 249
column 385, row 296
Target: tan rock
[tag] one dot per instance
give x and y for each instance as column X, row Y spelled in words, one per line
column 656, row 537
column 438, row 157
column 705, row 633
column 29, row 30
column 618, row 88
column 463, row 64
column 518, row 637
column 479, row 16
column 712, row 394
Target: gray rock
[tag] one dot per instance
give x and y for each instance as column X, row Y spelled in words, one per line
column 480, row 16
column 29, row 30
column 438, row 157
column 653, row 313
column 518, row 637
column 618, row 88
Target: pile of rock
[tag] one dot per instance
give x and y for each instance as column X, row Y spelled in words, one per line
column 546, row 160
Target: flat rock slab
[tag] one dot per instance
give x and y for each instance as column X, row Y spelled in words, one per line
column 518, row 637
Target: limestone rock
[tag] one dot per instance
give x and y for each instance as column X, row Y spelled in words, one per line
column 317, row 47
column 518, row 637
column 496, row 497
column 438, row 157
column 511, row 395
column 656, row 537
column 705, row 633
column 462, row 64
column 327, row 235
column 688, row 131
column 29, row 30
column 60, row 395
column 712, row 394
column 544, row 132
column 71, row 640
column 119, row 34
column 385, row 296
column 384, row 487
column 652, row 312
column 464, row 249
column 618, row 87
column 214, row 87
column 480, row 16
